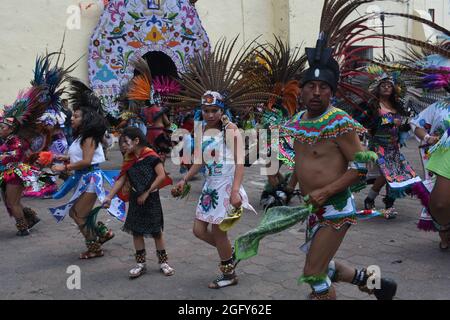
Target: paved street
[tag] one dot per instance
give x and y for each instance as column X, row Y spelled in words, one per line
column 35, row 267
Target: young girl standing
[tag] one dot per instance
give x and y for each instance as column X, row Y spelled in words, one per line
column 141, row 176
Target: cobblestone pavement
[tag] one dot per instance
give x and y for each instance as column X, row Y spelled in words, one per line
column 35, row 267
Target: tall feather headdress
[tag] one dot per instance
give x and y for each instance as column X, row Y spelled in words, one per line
column 423, row 65
column 338, row 38
column 281, row 68
column 219, row 75
column 141, row 87
column 52, row 75
column 28, row 107
column 81, row 96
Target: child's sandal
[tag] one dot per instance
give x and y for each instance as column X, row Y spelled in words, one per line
column 137, row 271
column 166, row 269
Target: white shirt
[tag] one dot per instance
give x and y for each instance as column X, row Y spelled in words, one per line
column 76, row 153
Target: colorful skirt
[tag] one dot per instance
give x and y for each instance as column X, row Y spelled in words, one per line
column 397, row 171
column 214, row 203
column 42, row 186
column 18, row 173
column 90, row 180
column 338, row 211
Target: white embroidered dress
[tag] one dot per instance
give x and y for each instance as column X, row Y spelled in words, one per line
column 214, row 203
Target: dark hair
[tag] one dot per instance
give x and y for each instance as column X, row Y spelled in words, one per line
column 133, row 133
column 92, row 126
column 394, row 99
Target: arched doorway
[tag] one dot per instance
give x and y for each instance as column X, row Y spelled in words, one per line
column 160, row 64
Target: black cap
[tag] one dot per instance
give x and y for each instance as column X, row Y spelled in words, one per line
column 322, row 65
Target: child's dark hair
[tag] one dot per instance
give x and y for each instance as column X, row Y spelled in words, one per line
column 133, row 133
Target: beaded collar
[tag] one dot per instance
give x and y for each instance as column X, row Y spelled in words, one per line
column 332, row 124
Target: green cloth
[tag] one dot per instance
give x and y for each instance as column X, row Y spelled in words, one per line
column 366, row 156
column 439, row 163
column 91, row 220
column 339, row 200
column 312, row 279
column 275, row 220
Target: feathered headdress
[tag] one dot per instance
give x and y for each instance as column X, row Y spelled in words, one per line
column 439, row 79
column 81, row 96
column 377, row 75
column 216, row 78
column 281, row 67
column 337, row 40
column 166, row 86
column 29, row 106
column 51, row 76
column 141, row 87
column 423, row 65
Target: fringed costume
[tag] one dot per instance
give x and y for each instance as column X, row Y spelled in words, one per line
column 91, row 178
column 21, row 118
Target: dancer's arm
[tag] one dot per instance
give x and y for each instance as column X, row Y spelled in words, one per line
column 116, row 188
column 195, row 168
column 422, row 134
column 160, row 176
column 88, row 149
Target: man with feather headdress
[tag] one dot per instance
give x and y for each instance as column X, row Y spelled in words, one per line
column 329, row 157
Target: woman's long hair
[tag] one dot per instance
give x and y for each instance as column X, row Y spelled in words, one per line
column 394, row 99
column 93, row 125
